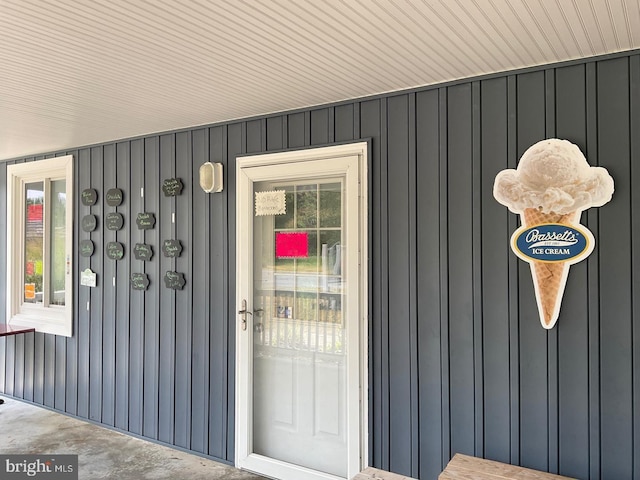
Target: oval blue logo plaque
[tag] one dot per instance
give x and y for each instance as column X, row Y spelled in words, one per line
column 552, row 242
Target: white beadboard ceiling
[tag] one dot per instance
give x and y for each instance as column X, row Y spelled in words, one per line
column 79, row 72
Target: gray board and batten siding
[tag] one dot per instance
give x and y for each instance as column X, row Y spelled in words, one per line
column 458, row 359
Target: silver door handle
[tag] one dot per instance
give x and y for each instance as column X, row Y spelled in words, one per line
column 243, row 314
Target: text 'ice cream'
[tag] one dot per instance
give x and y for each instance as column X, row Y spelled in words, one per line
column 550, row 188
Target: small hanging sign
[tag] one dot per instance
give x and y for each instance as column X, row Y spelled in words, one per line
column 88, row 278
column 89, row 196
column 172, row 187
column 86, row 248
column 142, row 251
column 171, row 248
column 115, row 250
column 146, row 221
column 271, row 203
column 139, row 281
column 114, row 197
column 89, row 223
column 114, row 221
column 174, row 280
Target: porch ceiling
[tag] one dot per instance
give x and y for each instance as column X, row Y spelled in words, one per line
column 79, row 72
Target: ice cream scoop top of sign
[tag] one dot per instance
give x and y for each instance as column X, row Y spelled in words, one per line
column 551, row 187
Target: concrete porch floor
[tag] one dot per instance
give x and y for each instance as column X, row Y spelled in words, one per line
column 102, row 453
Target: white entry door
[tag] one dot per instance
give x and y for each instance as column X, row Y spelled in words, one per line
column 301, row 302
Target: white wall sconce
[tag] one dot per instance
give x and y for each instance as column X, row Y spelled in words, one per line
column 211, row 177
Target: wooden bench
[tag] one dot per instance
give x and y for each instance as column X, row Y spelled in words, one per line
column 464, row 467
column 371, row 473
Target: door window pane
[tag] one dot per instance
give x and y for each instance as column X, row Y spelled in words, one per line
column 286, row 220
column 306, row 206
column 330, row 205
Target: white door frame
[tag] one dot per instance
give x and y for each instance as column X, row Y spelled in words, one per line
column 349, row 159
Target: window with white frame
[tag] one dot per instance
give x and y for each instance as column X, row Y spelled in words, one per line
column 39, row 245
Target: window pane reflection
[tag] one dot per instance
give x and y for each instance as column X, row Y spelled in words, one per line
column 34, row 242
column 58, row 202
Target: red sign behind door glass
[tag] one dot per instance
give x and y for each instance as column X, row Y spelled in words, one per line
column 292, row 245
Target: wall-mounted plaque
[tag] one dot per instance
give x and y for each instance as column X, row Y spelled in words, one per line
column 174, row 280
column 172, row 187
column 146, row 221
column 115, row 250
column 86, row 248
column 114, row 197
column 142, row 251
column 89, row 196
column 89, row 223
column 114, row 221
column 171, row 248
column 88, row 278
column 139, row 281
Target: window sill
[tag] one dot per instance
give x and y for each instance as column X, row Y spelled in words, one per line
column 43, row 324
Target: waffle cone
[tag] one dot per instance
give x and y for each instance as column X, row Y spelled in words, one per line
column 549, row 279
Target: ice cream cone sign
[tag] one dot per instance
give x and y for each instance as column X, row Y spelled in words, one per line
column 551, row 187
